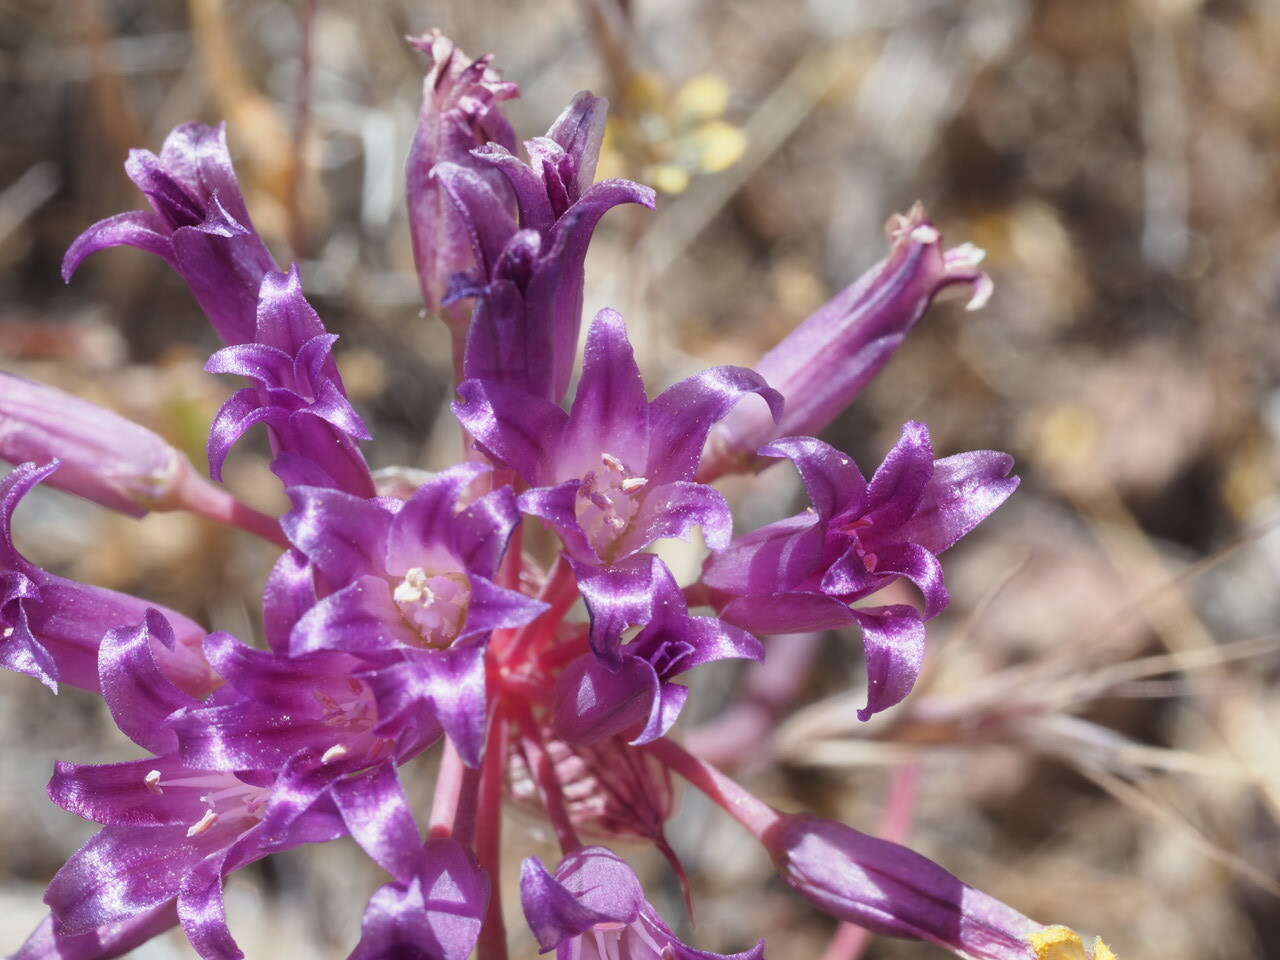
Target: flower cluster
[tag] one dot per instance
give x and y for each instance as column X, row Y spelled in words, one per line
column 396, row 620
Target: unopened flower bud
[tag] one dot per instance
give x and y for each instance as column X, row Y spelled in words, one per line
column 891, row 890
column 105, row 458
column 825, row 362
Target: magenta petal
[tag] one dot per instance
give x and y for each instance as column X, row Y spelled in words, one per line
column 531, row 195
column 243, row 735
column 481, row 531
column 773, row 559
column 110, row 940
column 555, row 914
column 896, row 489
column 610, row 411
column 557, row 506
column 518, row 428
column 617, row 597
column 673, row 510
column 787, row 613
column 436, row 916
column 893, row 643
column 963, row 491
column 450, row 683
column 290, row 592
column 136, row 228
column 377, row 813
column 682, row 416
column 426, row 523
column 848, row 577
column 593, row 702
column 118, row 874
column 359, row 618
column 488, row 222
column 922, row 568
column 664, row 712
column 497, row 608
column 118, row 793
column 20, row 651
column 242, row 412
column 282, row 683
column 140, row 697
column 831, row 478
column 203, row 911
column 344, row 536
column 579, row 130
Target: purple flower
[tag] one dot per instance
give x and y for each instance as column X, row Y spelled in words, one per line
column 104, row 457
column 528, row 276
column 177, row 822
column 594, row 908
column 615, row 473
column 893, row 891
column 460, row 111
column 408, row 587
column 51, row 627
column 802, row 573
column 299, row 394
column 822, row 365
column 635, row 692
column 433, row 912
column 198, row 223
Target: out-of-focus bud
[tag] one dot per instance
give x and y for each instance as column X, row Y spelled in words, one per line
column 460, row 111
column 891, row 890
column 825, row 362
column 105, row 458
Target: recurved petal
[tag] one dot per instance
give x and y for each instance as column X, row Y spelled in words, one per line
column 555, row 913
column 617, row 597
column 682, row 416
column 831, row 478
column 922, row 568
column 451, row 682
column 482, row 530
column 963, row 491
column 531, row 195
column 664, row 711
column 377, row 814
column 140, row 697
column 425, row 526
column 518, row 428
column 580, row 130
column 143, row 229
column 898, row 485
column 557, row 506
column 111, row 940
column 344, row 536
column 893, row 644
column 673, row 510
column 243, row 410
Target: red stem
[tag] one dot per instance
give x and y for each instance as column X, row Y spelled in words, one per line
column 560, row 591
column 199, row 496
column 453, row 808
column 492, row 944
column 744, row 806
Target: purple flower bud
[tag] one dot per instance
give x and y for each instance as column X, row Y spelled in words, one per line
column 594, row 908
column 200, row 226
column 461, row 110
column 891, row 890
column 825, row 362
column 104, row 457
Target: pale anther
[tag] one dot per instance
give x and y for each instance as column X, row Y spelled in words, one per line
column 152, row 780
column 203, row 824
column 336, row 752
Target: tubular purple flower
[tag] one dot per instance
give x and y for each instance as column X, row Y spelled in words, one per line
column 198, row 223
column 461, row 110
column 894, row 891
column 825, row 362
column 51, row 627
column 615, row 473
column 299, row 395
column 803, row 573
column 528, row 275
column 408, row 586
column 633, row 692
column 594, row 908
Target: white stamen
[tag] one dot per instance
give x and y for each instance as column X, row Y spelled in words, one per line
column 8, row 632
column 152, row 780
column 609, row 460
column 336, row 752
column 631, row 484
column 203, row 824
column 925, row 234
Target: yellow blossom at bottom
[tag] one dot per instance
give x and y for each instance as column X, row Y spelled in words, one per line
column 1063, row 943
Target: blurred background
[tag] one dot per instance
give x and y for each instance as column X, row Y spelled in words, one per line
column 1097, row 739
